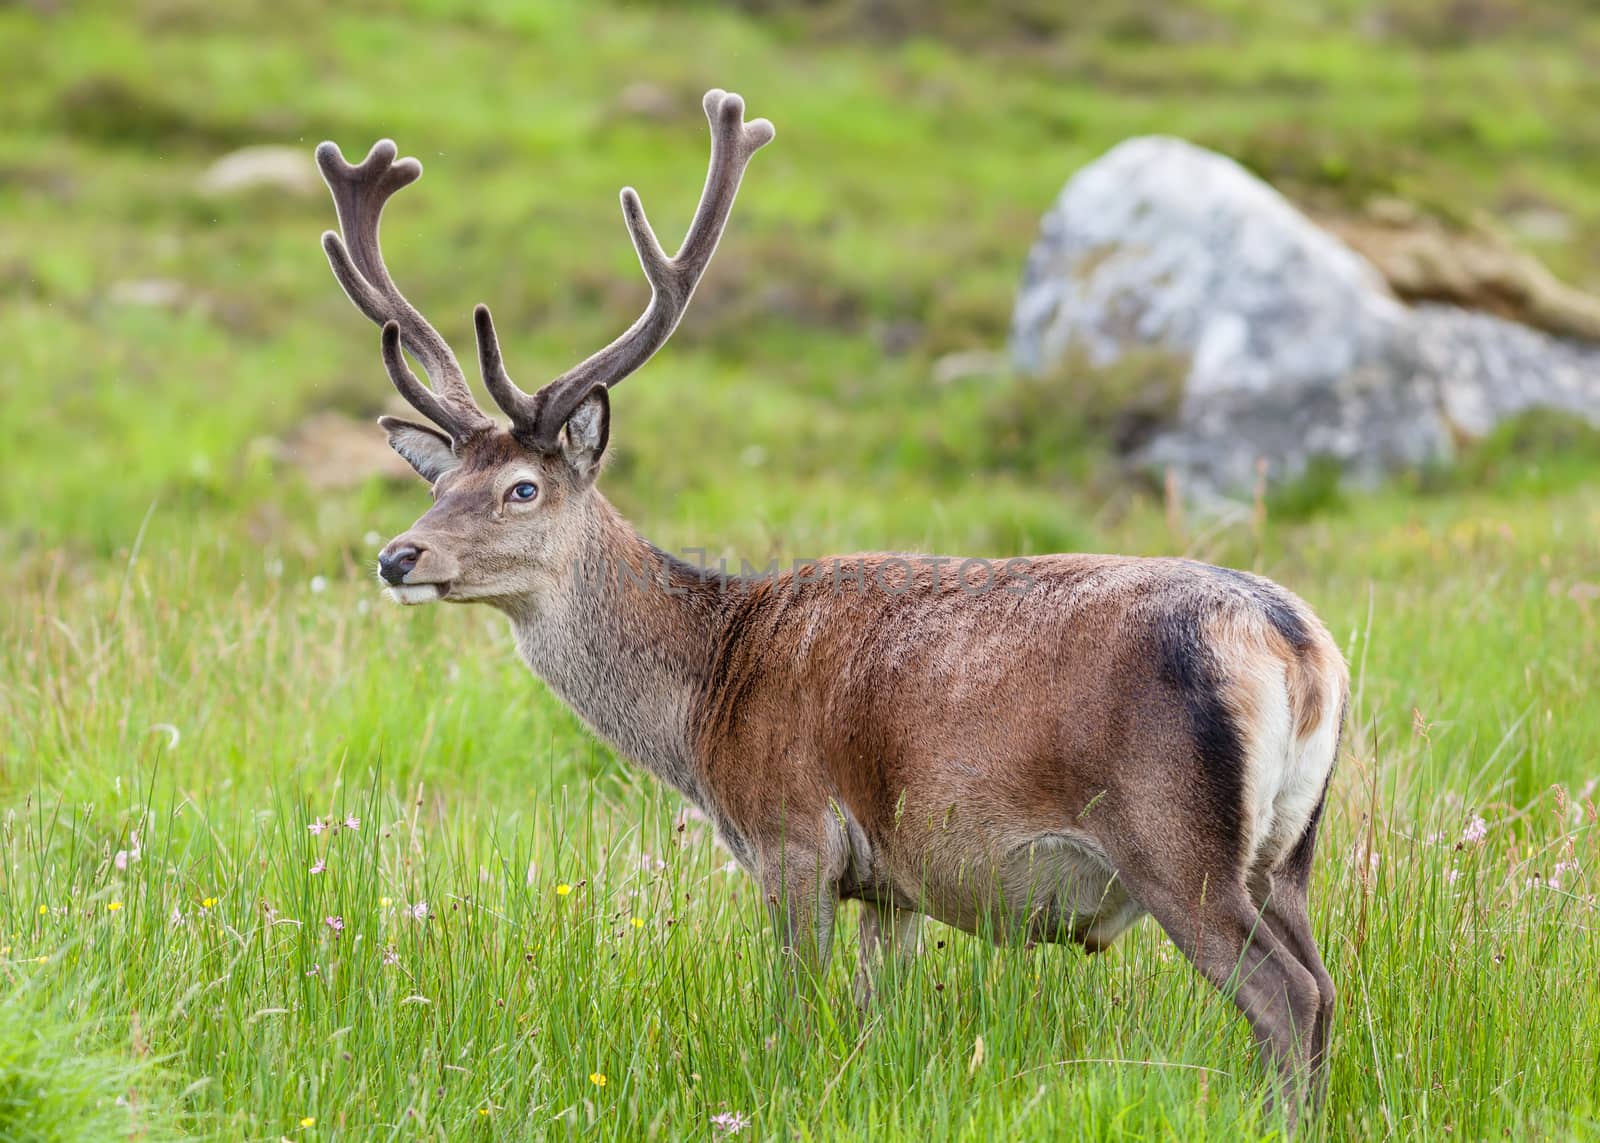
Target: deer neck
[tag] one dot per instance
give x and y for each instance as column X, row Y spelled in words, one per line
column 625, row 635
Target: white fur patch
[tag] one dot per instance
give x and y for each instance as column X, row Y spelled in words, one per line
column 414, row 593
column 587, row 430
column 584, row 426
column 1313, row 762
column 1288, row 773
column 1269, row 752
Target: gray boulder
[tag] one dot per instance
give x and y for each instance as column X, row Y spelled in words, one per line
column 1291, row 343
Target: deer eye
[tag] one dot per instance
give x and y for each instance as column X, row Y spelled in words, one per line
column 524, row 491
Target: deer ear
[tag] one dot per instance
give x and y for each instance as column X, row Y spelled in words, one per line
column 587, row 432
column 426, row 449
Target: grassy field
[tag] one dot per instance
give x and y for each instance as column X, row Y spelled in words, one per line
column 280, row 861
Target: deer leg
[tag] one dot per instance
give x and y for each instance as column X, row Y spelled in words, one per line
column 1288, row 909
column 1285, row 908
column 1222, row 935
column 801, row 897
column 887, row 934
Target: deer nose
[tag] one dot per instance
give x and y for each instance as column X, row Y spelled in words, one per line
column 394, row 565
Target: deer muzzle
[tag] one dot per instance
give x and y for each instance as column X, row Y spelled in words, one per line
column 415, row 571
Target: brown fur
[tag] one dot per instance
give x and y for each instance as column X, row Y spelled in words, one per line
column 1306, row 669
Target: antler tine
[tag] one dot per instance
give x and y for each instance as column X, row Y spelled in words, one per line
column 512, row 401
column 359, row 195
column 539, row 417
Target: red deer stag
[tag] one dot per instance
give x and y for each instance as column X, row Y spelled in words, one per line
column 1051, row 751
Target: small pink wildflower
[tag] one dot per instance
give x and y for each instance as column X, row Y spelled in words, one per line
column 334, row 923
column 1562, row 868
column 319, row 866
column 390, row 957
column 419, row 911
column 352, row 822
column 317, row 827
column 730, row 1122
column 126, row 855
column 1476, row 830
column 1452, row 875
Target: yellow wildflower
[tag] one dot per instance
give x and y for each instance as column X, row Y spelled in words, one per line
column 44, row 910
column 384, row 902
column 563, row 889
column 597, row 1078
column 638, row 922
column 308, row 1121
column 483, row 1111
column 41, row 960
column 113, row 906
column 210, row 903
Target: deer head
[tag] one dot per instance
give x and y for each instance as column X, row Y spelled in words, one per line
column 509, row 502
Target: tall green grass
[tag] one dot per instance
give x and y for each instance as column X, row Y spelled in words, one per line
column 264, row 974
